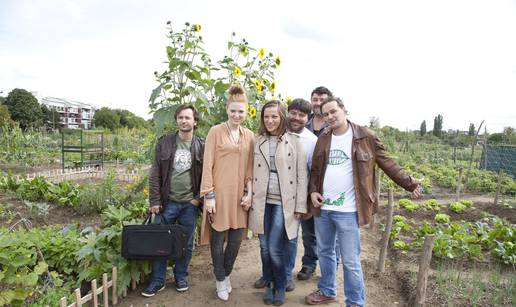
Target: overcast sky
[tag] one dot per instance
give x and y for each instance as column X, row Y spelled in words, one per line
column 403, row 61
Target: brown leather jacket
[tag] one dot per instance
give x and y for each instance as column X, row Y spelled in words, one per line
column 161, row 169
column 366, row 150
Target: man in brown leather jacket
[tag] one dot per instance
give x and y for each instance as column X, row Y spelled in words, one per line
column 174, row 183
column 343, row 196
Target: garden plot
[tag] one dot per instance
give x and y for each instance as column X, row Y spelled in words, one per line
column 474, row 254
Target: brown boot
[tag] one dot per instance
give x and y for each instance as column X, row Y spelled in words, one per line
column 317, row 298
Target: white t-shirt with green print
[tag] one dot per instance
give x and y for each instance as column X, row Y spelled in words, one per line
column 338, row 187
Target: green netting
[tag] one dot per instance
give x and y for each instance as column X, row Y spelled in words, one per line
column 501, row 157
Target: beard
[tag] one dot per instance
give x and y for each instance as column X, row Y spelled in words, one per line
column 297, row 123
column 186, row 129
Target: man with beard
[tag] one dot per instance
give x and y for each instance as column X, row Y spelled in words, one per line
column 298, row 111
column 343, row 196
column 174, row 183
column 316, row 124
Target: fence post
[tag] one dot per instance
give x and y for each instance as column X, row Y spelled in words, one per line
column 114, row 280
column 498, row 187
column 105, row 293
column 94, row 296
column 459, row 182
column 387, row 233
column 424, row 266
column 62, row 302
column 78, row 298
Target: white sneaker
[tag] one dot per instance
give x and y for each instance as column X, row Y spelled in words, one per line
column 222, row 290
column 228, row 284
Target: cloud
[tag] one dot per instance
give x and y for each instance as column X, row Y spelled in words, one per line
column 298, row 30
column 401, row 60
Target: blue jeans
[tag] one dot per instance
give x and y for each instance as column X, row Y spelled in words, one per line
column 276, row 241
column 344, row 225
column 290, row 255
column 290, row 259
column 185, row 214
column 309, row 259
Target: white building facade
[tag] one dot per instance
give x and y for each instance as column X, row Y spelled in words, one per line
column 72, row 114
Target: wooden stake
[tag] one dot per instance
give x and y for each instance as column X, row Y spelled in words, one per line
column 94, row 295
column 498, row 187
column 105, row 294
column 424, row 266
column 459, row 182
column 114, row 296
column 387, row 233
column 62, row 302
column 78, row 298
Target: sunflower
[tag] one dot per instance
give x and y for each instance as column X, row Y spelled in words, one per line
column 273, row 86
column 261, row 53
column 237, row 72
column 252, row 112
column 259, row 86
column 277, row 60
column 197, row 28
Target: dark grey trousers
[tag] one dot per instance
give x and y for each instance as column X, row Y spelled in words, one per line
column 224, row 259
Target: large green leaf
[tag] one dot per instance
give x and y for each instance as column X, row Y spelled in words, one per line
column 30, row 279
column 164, row 117
column 156, row 92
column 6, row 297
column 40, row 268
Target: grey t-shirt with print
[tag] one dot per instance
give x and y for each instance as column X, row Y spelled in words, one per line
column 181, row 177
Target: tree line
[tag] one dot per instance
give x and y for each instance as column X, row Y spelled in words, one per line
column 22, row 108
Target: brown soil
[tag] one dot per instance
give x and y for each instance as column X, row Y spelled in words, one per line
column 20, row 170
column 394, row 287
column 382, row 289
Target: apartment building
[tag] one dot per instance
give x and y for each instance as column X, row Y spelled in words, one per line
column 73, row 114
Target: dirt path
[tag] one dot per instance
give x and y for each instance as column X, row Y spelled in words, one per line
column 382, row 290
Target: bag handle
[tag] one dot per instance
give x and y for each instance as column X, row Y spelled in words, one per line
column 148, row 219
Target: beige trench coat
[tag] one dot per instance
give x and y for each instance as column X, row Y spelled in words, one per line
column 291, row 166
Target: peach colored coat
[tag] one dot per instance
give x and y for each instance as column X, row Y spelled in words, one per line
column 227, row 167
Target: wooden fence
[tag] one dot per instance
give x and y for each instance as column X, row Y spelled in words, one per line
column 93, row 295
column 425, row 258
column 58, row 175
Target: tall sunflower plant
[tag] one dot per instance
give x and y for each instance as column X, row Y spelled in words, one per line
column 190, row 76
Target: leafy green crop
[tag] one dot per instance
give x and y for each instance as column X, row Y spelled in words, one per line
column 400, row 224
column 457, row 207
column 409, row 205
column 431, row 204
column 442, row 218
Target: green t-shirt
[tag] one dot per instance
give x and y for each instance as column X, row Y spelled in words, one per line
column 181, row 178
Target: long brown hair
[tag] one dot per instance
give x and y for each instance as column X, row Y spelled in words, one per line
column 282, row 111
